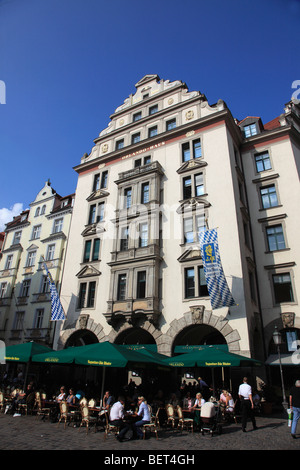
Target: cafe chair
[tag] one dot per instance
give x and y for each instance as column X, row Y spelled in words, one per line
column 87, row 418
column 2, row 402
column 183, row 422
column 38, row 408
column 171, row 415
column 231, row 414
column 64, row 414
column 92, row 403
column 153, row 425
column 110, row 428
column 83, row 401
column 28, row 406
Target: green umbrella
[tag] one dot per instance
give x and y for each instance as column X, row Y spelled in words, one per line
column 23, row 352
column 63, row 356
column 211, row 357
column 148, row 352
column 112, row 355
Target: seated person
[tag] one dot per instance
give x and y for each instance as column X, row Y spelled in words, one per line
column 199, row 401
column 144, row 414
column 116, row 417
column 229, row 401
column 21, row 398
column 62, row 395
column 71, row 398
column 107, row 401
column 188, row 401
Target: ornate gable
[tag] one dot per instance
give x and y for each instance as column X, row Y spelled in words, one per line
column 88, row 271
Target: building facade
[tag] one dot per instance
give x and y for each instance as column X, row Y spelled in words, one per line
column 167, row 167
column 37, row 234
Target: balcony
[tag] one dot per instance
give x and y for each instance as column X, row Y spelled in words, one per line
column 41, row 297
column 132, row 311
column 37, row 334
column 139, row 171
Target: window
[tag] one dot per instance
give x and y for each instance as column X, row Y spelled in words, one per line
column 203, row 290
column 192, row 226
column 3, row 289
column 44, row 285
column 124, row 238
column 38, row 320
column 96, row 213
column 96, row 184
column 153, row 109
column 17, row 238
column 143, row 238
column 91, row 250
column 152, row 132
column 171, row 124
column 8, row 263
column 119, row 144
column 268, row 196
column 82, row 294
column 18, row 321
column 50, row 252
column 87, row 251
column 135, row 138
column 191, row 150
column 137, row 116
column 25, row 288
column 275, row 238
column 145, row 193
column 283, row 288
column 142, row 161
column 58, row 225
column 43, row 210
column 189, row 280
column 193, row 186
column 37, row 212
column 36, row 232
column 104, row 178
column 127, row 196
column 31, row 258
column 121, row 294
column 250, row 130
column 141, row 285
column 262, row 161
column 91, row 294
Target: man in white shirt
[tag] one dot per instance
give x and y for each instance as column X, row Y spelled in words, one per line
column 116, row 418
column 247, row 406
column 144, row 414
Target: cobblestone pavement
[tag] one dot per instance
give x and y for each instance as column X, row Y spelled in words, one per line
column 31, row 433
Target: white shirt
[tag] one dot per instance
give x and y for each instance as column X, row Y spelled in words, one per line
column 245, row 390
column 144, row 412
column 117, row 411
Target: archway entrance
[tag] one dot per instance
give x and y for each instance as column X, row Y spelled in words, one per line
column 81, row 338
column 201, row 335
column 135, row 335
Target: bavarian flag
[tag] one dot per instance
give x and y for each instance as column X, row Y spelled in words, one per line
column 219, row 293
column 57, row 312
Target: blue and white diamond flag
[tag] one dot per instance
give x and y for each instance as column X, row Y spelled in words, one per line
column 57, row 312
column 219, row 293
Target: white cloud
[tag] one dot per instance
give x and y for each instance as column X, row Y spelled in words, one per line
column 7, row 215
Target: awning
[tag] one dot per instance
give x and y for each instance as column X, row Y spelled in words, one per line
column 198, row 347
column 286, row 360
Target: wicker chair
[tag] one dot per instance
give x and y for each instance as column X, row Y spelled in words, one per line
column 87, row 418
column 110, row 428
column 187, row 423
column 153, row 425
column 64, row 414
column 172, row 418
column 38, row 408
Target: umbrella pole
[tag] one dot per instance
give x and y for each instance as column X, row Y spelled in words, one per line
column 213, row 379
column 26, row 375
column 102, row 384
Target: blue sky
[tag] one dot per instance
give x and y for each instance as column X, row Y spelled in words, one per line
column 68, row 64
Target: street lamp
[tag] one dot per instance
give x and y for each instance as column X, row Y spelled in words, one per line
column 278, row 341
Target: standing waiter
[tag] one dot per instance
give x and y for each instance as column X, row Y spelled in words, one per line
column 247, row 406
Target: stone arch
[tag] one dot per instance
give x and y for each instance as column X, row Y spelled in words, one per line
column 197, row 316
column 84, row 322
column 147, row 326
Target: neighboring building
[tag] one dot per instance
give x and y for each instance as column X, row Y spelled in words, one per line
column 37, row 233
column 168, row 166
column 2, row 236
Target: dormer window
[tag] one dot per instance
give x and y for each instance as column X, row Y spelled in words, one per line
column 250, row 130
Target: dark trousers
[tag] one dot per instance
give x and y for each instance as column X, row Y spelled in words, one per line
column 247, row 412
column 123, row 426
